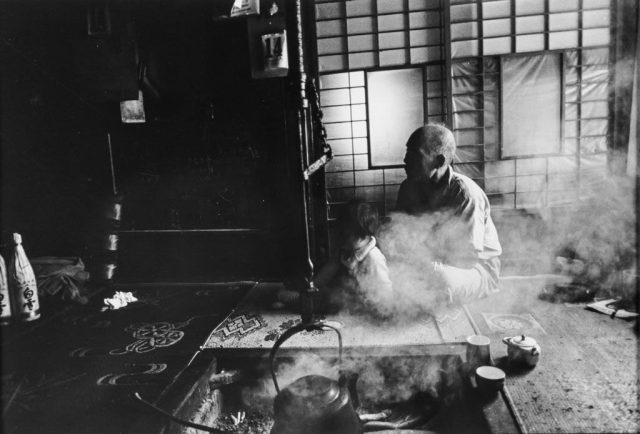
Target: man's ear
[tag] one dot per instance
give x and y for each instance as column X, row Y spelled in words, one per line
column 440, row 160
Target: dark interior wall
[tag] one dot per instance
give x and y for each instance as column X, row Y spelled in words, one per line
column 54, row 155
column 218, row 150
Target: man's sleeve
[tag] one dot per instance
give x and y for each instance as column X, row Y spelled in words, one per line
column 471, row 211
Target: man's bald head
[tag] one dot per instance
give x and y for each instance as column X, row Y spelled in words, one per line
column 435, row 140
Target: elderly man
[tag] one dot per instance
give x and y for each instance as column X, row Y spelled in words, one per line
column 464, row 244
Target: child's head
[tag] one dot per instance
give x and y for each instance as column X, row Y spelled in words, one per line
column 358, row 220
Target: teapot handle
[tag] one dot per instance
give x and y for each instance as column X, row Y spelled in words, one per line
column 318, row 325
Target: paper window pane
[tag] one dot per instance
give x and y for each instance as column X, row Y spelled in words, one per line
column 361, row 25
column 491, row 82
column 339, row 179
column 332, row 81
column 562, row 164
column 571, row 111
column 340, row 194
column 369, row 177
column 469, row 154
column 595, row 56
column 325, row 11
column 496, row 27
column 500, row 168
column 362, row 43
column 337, row 114
column 464, row 30
column 533, row 24
column 394, row 57
column 359, row 7
column 434, row 72
column 390, row 6
column 390, row 22
column 591, row 145
column 358, row 96
column 339, row 130
column 593, row 4
column 426, row 54
column 468, row 137
column 340, row 164
column 466, row 12
column 594, row 91
column 372, row 194
column 563, row 5
column 329, row 28
column 496, row 9
column 332, row 63
column 334, row 97
column 491, row 112
column 359, row 112
column 396, row 108
column 529, row 43
column 531, row 102
column 598, row 109
column 434, row 88
column 331, row 46
column 391, row 40
column 465, row 68
column 597, row 18
column 424, row 37
column 571, row 129
column 342, row 146
column 464, row 49
column 499, row 185
column 360, row 146
column 594, row 127
column 359, row 129
column 530, row 182
column 531, row 166
column 415, row 5
column 434, row 106
column 465, row 120
column 424, row 19
column 570, row 146
column 595, row 73
column 558, row 40
column 362, row 60
column 571, row 93
column 494, row 46
column 472, row 170
column 526, row 7
column 356, row 78
column 466, row 84
column 466, row 102
column 571, row 75
column 593, row 37
column 565, row 21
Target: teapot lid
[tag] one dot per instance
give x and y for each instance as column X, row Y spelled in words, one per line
column 523, row 341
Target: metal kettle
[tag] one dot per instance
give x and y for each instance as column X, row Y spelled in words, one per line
column 313, row 404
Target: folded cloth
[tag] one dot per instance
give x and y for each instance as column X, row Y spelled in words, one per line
column 119, row 299
column 608, row 308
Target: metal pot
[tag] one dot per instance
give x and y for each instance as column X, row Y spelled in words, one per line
column 522, row 350
column 313, row 404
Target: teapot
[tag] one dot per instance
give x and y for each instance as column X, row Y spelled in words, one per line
column 522, row 350
column 313, row 404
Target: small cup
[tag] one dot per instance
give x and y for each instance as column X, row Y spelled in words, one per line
column 478, row 353
column 490, row 379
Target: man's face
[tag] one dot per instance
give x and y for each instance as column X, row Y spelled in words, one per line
column 419, row 164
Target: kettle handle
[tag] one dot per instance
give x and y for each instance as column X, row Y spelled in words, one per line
column 318, row 325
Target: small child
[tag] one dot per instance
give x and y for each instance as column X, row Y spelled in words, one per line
column 356, row 277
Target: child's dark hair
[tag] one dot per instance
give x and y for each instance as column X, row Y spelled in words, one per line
column 359, row 219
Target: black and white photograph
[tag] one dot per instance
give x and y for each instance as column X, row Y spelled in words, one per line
column 319, row 216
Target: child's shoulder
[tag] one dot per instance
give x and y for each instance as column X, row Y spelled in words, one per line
column 376, row 255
